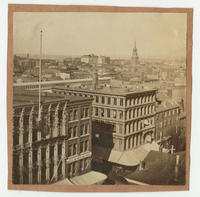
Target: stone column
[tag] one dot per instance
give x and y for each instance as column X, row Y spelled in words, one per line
column 127, row 143
column 30, row 165
column 142, row 139
column 63, row 159
column 21, row 128
column 55, row 161
column 136, row 109
column 131, row 142
column 55, row 129
column 64, row 120
column 49, row 126
column 47, row 164
column 39, row 131
column 21, row 167
column 30, row 130
column 138, row 139
column 39, row 164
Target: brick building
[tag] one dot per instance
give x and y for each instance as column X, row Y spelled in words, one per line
column 167, row 120
column 57, row 147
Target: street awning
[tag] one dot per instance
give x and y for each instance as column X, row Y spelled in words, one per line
column 127, row 158
column 90, row 178
column 64, row 182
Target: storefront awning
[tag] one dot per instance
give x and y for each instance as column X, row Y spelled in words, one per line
column 127, row 158
column 64, row 182
column 90, row 178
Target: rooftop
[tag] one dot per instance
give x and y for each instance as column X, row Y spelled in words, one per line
column 111, row 90
column 166, row 103
column 163, row 163
column 23, row 97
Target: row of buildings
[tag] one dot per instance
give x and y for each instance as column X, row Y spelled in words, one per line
column 92, row 121
column 75, row 121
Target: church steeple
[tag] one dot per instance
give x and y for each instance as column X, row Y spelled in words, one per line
column 135, row 58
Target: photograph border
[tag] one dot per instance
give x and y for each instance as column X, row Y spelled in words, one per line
column 76, row 8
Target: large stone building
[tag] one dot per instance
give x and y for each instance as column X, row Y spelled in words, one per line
column 56, row 147
column 122, row 119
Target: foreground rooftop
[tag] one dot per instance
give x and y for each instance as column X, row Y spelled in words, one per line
column 25, row 97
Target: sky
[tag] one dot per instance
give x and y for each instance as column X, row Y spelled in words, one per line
column 109, row 34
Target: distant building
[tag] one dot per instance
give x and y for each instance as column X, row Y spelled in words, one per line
column 89, row 59
column 58, row 146
column 103, row 60
column 61, row 83
column 63, row 76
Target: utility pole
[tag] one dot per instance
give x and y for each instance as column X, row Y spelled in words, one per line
column 40, row 75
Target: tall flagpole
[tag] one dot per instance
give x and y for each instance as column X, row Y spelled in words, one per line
column 40, row 75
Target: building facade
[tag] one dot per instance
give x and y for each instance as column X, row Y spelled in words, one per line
column 167, row 122
column 123, row 120
column 56, row 147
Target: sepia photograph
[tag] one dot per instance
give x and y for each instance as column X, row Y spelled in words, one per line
column 99, row 96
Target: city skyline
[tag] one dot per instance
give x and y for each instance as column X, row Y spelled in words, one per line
column 157, row 30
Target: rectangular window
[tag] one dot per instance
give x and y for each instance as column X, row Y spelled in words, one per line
column 102, row 99
column 121, row 101
column 70, row 132
column 75, row 114
column 75, row 131
column 96, row 111
column 108, row 100
column 82, row 113
column 115, row 101
column 86, row 128
column 70, row 150
column 70, row 115
column 102, row 112
column 97, row 99
column 129, row 114
column 74, row 149
column 86, row 112
column 82, row 130
column 81, row 147
column 108, row 113
column 120, row 114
